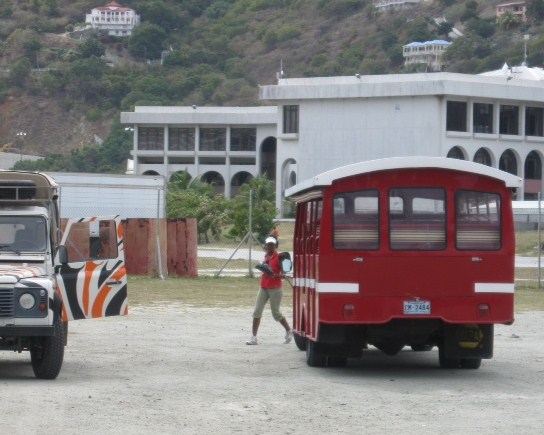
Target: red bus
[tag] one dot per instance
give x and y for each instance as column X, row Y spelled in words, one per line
column 411, row 251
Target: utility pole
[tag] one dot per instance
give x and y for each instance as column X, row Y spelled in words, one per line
column 20, row 139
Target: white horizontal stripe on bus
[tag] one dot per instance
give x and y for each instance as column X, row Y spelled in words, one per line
column 337, row 287
column 493, row 287
column 305, row 282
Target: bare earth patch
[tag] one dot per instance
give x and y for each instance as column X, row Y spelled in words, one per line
column 173, row 368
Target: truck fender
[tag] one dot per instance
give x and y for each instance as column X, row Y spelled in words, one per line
column 56, row 306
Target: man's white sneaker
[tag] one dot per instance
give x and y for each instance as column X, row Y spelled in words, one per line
column 288, row 337
column 252, row 341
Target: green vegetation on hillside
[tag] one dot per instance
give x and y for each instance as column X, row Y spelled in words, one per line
column 208, row 52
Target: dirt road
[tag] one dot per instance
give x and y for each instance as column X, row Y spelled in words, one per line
column 182, row 370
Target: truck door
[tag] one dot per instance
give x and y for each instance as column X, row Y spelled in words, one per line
column 93, row 282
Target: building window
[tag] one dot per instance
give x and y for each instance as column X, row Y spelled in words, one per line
column 533, row 167
column 509, row 119
column 508, row 162
column 213, row 139
column 150, row 138
column 534, row 117
column 456, row 117
column 290, row 119
column 482, row 157
column 243, row 139
column 181, row 139
column 456, row 153
column 482, row 120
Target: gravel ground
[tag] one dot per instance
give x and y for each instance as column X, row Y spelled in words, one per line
column 182, row 370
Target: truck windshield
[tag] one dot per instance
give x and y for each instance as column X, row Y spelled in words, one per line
column 23, row 233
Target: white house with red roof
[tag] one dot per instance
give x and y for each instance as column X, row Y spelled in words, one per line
column 114, row 19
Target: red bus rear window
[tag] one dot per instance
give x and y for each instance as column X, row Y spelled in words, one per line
column 478, row 225
column 417, row 219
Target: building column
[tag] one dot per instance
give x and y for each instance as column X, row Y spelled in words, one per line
column 228, row 174
column 197, row 150
column 165, row 152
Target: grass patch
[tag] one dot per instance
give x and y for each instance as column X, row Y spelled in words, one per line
column 225, row 291
column 198, row 292
column 229, row 292
column 529, row 299
column 527, row 243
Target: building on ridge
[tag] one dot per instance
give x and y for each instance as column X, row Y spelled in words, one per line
column 114, row 19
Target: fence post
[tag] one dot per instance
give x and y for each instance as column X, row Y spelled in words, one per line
column 539, row 241
column 250, row 233
column 157, row 235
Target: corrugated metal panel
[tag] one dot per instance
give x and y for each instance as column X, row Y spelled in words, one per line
column 129, row 196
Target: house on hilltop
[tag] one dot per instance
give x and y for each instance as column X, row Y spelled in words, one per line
column 517, row 9
column 114, row 19
column 389, row 5
column 429, row 53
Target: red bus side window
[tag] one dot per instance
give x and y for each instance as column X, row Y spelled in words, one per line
column 478, row 223
column 356, row 220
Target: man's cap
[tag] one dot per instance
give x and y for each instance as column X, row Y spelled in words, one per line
column 270, row 240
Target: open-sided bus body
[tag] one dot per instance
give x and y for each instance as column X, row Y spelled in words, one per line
column 414, row 251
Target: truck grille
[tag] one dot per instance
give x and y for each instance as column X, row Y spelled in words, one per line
column 6, row 302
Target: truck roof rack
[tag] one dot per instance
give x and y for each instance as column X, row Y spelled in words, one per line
column 26, row 188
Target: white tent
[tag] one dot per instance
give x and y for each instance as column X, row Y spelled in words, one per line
column 521, row 72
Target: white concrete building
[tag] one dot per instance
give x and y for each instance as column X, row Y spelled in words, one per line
column 114, row 19
column 324, row 123
column 227, row 146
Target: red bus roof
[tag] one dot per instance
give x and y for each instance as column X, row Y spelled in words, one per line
column 327, row 178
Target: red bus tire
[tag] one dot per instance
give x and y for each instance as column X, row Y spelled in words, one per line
column 313, row 359
column 337, row 361
column 447, row 363
column 300, row 341
column 471, row 363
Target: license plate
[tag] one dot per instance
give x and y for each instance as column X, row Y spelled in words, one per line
column 417, row 307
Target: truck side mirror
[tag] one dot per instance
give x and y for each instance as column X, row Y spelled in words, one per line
column 62, row 252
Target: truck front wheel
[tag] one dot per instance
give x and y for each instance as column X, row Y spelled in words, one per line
column 47, row 353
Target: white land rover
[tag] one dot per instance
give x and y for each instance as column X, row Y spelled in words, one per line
column 49, row 276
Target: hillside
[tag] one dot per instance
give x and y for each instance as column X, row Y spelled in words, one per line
column 216, row 53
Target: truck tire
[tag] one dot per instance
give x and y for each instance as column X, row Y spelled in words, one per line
column 313, row 359
column 300, row 341
column 47, row 353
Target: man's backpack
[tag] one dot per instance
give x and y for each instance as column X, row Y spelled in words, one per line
column 285, row 262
